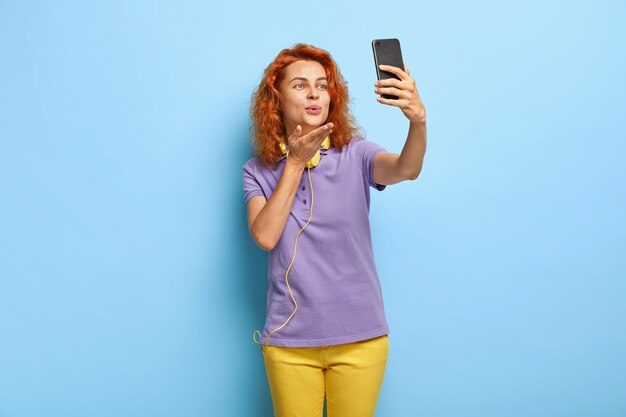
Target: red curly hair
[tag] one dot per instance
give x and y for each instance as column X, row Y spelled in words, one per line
column 267, row 121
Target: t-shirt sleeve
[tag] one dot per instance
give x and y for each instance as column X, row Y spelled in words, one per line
column 365, row 153
column 251, row 186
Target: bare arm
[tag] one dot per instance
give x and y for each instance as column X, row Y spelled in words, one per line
column 267, row 218
column 390, row 168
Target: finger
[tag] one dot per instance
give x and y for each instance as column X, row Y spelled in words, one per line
column 392, row 91
column 406, row 69
column 390, row 102
column 295, row 134
column 394, row 70
column 319, row 134
column 389, row 82
column 323, row 130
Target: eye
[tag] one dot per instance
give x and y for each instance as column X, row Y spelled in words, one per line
column 298, row 86
column 323, row 87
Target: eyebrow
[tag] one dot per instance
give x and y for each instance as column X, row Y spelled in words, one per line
column 304, row 79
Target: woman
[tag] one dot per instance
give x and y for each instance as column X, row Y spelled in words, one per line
column 307, row 193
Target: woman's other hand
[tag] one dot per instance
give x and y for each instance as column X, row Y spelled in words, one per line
column 303, row 148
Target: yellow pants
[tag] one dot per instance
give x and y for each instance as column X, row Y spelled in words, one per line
column 350, row 375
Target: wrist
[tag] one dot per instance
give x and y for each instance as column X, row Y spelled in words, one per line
column 418, row 118
column 293, row 165
column 418, row 121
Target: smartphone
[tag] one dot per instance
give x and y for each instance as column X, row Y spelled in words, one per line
column 387, row 52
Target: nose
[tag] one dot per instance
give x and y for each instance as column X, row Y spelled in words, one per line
column 313, row 94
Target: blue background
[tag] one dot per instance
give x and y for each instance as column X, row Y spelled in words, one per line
column 129, row 285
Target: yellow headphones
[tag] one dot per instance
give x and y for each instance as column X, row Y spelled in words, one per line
column 316, row 158
column 311, row 164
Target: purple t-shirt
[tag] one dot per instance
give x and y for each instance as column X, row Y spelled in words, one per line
column 333, row 278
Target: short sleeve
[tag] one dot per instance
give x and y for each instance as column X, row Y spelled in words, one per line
column 251, row 186
column 364, row 152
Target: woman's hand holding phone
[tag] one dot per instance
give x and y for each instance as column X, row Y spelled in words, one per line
column 405, row 89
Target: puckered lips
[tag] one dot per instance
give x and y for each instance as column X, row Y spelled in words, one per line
column 313, row 109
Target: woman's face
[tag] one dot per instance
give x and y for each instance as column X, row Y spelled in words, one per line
column 305, row 99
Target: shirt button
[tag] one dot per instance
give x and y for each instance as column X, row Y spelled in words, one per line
column 303, row 188
column 304, row 201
